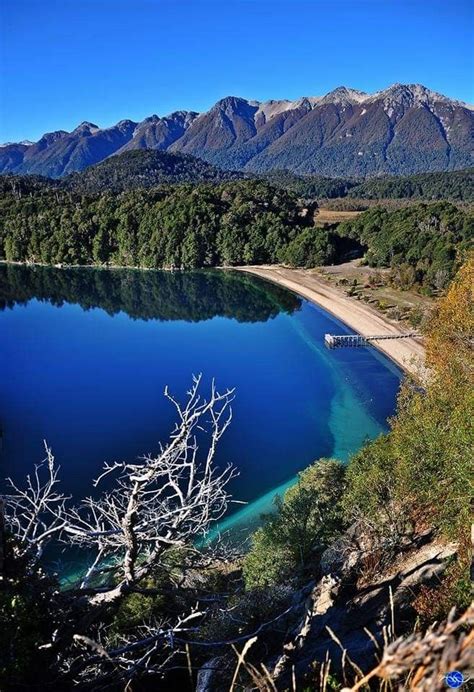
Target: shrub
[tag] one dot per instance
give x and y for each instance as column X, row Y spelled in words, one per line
column 416, row 316
column 306, row 520
column 419, row 474
column 28, row 618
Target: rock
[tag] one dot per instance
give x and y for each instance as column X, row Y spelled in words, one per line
column 340, row 615
column 344, row 556
column 318, row 602
column 207, row 674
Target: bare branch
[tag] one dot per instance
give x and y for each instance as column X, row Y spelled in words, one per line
column 159, row 502
column 37, row 513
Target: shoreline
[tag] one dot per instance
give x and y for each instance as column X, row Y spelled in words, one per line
column 408, row 354
column 356, row 315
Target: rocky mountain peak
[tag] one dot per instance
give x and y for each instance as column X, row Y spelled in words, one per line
column 406, row 128
column 273, row 107
column 234, row 104
column 151, row 119
column 183, row 117
column 413, row 96
column 85, row 128
column 23, row 143
column 125, row 123
column 342, row 96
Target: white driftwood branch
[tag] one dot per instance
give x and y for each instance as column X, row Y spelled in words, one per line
column 159, row 503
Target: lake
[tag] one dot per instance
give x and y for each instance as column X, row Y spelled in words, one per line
column 86, row 354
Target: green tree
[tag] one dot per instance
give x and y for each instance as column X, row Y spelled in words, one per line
column 305, row 521
column 310, row 248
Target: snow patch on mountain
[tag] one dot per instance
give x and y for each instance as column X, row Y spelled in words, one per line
column 24, row 142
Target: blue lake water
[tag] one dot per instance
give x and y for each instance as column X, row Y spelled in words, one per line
column 85, row 355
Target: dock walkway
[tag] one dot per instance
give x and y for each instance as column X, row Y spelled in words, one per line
column 354, row 340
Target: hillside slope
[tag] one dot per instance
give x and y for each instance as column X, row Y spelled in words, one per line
column 142, row 169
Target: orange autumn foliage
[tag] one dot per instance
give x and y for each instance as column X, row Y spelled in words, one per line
column 450, row 334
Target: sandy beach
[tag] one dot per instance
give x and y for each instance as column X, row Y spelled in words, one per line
column 408, row 353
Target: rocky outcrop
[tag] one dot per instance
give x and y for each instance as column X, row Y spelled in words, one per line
column 348, row 615
column 349, row 622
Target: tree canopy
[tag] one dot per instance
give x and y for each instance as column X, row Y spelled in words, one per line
column 429, row 241
column 182, row 226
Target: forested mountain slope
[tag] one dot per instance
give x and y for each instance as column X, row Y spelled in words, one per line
column 145, row 168
column 400, row 130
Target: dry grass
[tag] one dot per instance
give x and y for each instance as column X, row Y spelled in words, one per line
column 373, row 283
column 420, row 661
column 416, row 662
column 329, row 216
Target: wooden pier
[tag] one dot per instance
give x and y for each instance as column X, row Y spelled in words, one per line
column 355, row 340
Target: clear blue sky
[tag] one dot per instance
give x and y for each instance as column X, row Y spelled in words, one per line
column 64, row 61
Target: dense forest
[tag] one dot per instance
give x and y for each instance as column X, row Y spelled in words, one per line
column 143, row 169
column 18, row 186
column 424, row 244
column 181, row 226
column 232, row 223
column 311, row 186
column 451, row 185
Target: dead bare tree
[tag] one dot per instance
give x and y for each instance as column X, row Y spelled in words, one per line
column 157, row 503
column 152, row 506
column 161, row 502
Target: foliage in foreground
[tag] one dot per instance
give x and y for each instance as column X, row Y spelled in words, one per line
column 416, row 477
column 420, row 472
column 28, row 616
column 418, row 661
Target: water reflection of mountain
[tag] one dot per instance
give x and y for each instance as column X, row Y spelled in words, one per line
column 191, row 296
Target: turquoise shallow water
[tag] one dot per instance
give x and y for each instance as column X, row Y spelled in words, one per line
column 86, row 354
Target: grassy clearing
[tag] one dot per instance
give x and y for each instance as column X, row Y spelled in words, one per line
column 373, row 286
column 330, row 216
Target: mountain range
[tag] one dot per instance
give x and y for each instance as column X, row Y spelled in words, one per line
column 400, row 130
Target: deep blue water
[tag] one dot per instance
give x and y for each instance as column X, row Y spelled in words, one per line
column 85, row 355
